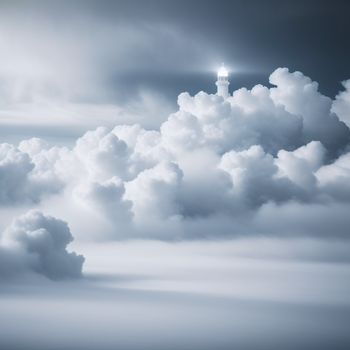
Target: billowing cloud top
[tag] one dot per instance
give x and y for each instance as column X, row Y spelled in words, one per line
column 37, row 243
column 265, row 160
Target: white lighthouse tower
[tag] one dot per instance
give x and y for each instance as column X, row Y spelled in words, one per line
column 222, row 83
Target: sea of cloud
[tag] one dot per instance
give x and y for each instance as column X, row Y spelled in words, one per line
column 254, row 293
column 266, row 161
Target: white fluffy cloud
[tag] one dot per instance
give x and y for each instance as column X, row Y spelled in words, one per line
column 212, row 168
column 28, row 172
column 153, row 192
column 14, row 169
column 341, row 105
column 299, row 95
column 107, row 199
column 37, row 243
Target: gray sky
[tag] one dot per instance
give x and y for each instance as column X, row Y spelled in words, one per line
column 165, row 217
column 253, row 37
column 106, row 50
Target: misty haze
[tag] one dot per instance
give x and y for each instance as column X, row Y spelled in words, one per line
column 174, row 175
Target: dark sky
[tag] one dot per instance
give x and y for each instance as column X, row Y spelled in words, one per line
column 311, row 36
column 114, row 48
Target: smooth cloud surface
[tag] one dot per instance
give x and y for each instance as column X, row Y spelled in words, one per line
column 215, row 167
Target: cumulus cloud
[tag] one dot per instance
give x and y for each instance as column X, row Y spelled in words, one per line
column 103, row 154
column 299, row 166
column 107, row 199
column 341, row 105
column 299, row 95
column 213, row 167
column 14, row 169
column 27, row 173
column 252, row 174
column 37, row 243
column 153, row 192
column 334, row 178
column 245, row 119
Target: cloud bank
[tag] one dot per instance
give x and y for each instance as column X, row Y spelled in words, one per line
column 214, row 168
column 37, row 243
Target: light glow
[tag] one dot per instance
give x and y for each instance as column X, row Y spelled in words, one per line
column 222, row 72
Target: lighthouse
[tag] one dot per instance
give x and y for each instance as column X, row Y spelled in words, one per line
column 222, row 83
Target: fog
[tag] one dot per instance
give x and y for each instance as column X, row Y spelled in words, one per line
column 195, row 295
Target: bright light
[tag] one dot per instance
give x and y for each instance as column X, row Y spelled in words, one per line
column 222, row 72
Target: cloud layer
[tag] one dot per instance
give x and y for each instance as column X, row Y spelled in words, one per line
column 214, row 167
